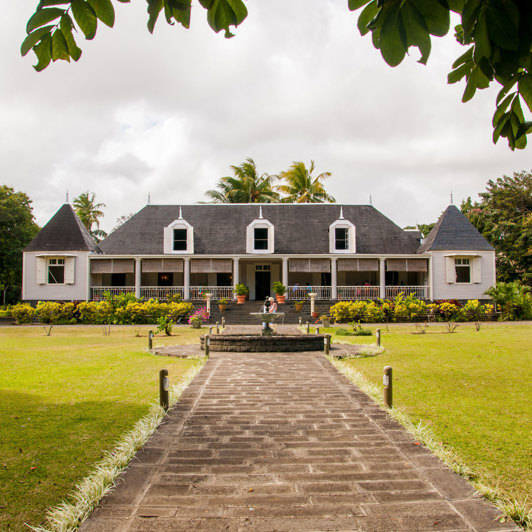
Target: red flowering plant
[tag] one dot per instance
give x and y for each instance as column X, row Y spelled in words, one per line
column 199, row 316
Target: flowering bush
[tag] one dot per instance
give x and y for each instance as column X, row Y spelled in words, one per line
column 473, row 310
column 23, row 313
column 54, row 312
column 374, row 312
column 201, row 315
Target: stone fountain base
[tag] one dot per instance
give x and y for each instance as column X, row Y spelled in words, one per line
column 256, row 343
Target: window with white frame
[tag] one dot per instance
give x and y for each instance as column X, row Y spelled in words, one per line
column 56, row 271
column 260, row 236
column 342, row 237
column 179, row 238
column 462, row 268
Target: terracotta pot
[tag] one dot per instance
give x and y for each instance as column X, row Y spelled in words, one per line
column 240, row 300
column 280, row 299
column 315, row 314
column 298, row 308
column 222, row 308
column 196, row 324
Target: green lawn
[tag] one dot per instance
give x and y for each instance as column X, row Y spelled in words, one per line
column 472, row 388
column 66, row 398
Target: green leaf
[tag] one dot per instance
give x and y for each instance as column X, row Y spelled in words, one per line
column 503, row 24
column 85, row 17
column 416, row 31
column 356, row 4
column 477, row 80
column 437, row 18
column 465, row 57
column 482, row 41
column 498, row 129
column 501, row 109
column 366, row 16
column 33, row 38
column 42, row 17
column 225, row 13
column 457, row 74
column 43, row 51
column 66, row 26
column 469, row 18
column 525, row 89
column 506, row 88
column 456, row 5
column 46, row 3
column 154, row 8
column 104, row 11
column 59, row 46
column 392, row 41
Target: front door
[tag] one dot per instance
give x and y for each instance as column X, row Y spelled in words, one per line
column 262, row 282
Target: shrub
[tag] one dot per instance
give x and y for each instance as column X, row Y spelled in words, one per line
column 181, row 310
column 374, row 313
column 23, row 313
column 513, row 299
column 341, row 311
column 165, row 324
column 473, row 310
column 408, row 308
column 200, row 315
column 54, row 312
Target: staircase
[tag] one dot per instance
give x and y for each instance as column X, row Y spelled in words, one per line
column 240, row 314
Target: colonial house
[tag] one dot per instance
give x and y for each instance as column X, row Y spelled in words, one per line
column 339, row 252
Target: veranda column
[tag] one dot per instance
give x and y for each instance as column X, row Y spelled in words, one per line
column 382, row 278
column 186, row 279
column 284, row 279
column 138, row 277
column 334, row 279
column 236, row 276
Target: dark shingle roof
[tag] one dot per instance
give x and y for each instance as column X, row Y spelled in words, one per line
column 454, row 231
column 64, row 232
column 221, row 229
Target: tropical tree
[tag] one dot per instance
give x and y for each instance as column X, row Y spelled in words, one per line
column 89, row 213
column 17, row 230
column 246, row 186
column 301, row 187
column 504, row 217
column 498, row 36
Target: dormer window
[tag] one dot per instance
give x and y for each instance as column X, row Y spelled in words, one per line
column 342, row 236
column 180, row 240
column 179, row 237
column 260, row 236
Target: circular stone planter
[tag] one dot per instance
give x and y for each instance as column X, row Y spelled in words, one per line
column 251, row 343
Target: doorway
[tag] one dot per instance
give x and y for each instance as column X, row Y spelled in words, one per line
column 262, row 282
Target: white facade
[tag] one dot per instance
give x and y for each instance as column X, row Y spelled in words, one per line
column 444, row 279
column 36, row 285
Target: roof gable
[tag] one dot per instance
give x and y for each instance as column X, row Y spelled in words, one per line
column 453, row 231
column 64, row 232
column 221, row 229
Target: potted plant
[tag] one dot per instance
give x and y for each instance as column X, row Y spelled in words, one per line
column 280, row 290
column 222, row 303
column 241, row 291
column 197, row 318
column 298, row 305
column 326, row 321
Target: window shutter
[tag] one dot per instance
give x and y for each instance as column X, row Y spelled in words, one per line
column 450, row 272
column 168, row 240
column 41, row 270
column 69, row 270
column 476, row 273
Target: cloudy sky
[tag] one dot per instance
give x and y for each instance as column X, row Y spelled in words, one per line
column 168, row 114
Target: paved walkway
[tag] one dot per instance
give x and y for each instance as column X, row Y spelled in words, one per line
column 283, row 442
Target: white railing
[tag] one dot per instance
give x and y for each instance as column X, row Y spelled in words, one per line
column 97, row 291
column 160, row 292
column 198, row 292
column 296, row 293
column 358, row 292
column 420, row 292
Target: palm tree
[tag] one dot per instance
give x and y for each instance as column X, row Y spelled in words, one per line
column 89, row 213
column 302, row 187
column 247, row 186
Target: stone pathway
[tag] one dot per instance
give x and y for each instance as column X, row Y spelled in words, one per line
column 284, row 442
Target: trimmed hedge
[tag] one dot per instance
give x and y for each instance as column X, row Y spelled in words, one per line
column 101, row 312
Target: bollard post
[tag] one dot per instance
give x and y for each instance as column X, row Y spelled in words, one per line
column 163, row 389
column 326, row 343
column 210, row 330
column 308, row 327
column 206, row 345
column 217, row 327
column 150, row 340
column 300, row 321
column 223, row 322
column 378, row 336
column 317, row 330
column 387, row 383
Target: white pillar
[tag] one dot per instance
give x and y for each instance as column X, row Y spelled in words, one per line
column 430, row 279
column 284, row 279
column 334, row 279
column 186, row 279
column 312, row 296
column 138, row 277
column 208, row 299
column 382, row 278
column 236, row 273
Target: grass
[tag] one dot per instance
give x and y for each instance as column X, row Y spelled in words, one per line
column 472, row 390
column 64, row 401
